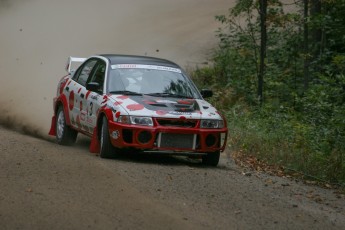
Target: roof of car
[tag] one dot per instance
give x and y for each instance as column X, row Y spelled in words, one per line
column 133, row 59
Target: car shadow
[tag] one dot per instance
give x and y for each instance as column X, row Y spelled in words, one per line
column 145, row 157
column 156, row 158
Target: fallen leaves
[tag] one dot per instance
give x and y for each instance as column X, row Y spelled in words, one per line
column 254, row 164
column 316, row 197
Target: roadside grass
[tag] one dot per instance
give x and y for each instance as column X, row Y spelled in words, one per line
column 307, row 138
column 282, row 140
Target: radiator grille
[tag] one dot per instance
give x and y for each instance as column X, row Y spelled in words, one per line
column 180, row 141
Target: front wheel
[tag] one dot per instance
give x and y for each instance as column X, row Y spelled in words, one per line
column 107, row 149
column 65, row 135
column 211, row 159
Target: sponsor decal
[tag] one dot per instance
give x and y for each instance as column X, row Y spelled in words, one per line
column 94, row 97
column 115, row 134
column 179, row 113
column 71, row 100
column 90, row 109
column 137, row 66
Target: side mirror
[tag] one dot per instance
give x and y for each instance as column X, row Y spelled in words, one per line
column 93, row 86
column 205, row 93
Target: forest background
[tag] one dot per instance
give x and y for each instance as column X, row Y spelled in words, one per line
column 278, row 76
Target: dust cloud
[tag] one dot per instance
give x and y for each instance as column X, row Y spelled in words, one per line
column 37, row 36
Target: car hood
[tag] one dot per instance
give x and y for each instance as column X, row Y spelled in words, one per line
column 167, row 107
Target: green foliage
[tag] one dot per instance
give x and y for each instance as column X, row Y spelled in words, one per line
column 299, row 128
column 236, row 60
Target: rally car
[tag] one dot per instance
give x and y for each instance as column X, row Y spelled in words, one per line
column 126, row 102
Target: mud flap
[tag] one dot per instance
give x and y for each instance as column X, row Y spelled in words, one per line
column 52, row 131
column 94, row 146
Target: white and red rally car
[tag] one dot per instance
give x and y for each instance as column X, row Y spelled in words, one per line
column 136, row 102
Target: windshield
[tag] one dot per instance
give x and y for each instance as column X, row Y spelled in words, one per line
column 151, row 80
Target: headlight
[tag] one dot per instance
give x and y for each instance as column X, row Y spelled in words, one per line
column 141, row 120
column 211, row 124
column 135, row 120
column 123, row 119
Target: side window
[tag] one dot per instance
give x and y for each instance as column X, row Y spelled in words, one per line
column 98, row 75
column 83, row 74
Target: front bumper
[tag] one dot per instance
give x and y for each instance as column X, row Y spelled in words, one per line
column 161, row 138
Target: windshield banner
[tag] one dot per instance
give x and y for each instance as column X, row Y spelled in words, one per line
column 139, row 66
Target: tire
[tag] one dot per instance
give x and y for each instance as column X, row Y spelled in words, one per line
column 65, row 135
column 107, row 149
column 211, row 159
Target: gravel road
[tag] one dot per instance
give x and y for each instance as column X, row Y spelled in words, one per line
column 47, row 186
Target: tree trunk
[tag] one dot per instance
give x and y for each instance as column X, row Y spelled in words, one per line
column 316, row 33
column 263, row 13
column 306, row 45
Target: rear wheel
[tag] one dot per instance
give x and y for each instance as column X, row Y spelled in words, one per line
column 211, row 159
column 107, row 149
column 65, row 135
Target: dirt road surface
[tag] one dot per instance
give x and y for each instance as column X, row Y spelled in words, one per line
column 47, row 186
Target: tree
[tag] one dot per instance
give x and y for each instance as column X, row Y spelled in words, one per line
column 306, row 43
column 263, row 33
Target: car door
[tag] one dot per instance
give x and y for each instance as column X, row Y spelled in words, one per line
column 93, row 99
column 77, row 108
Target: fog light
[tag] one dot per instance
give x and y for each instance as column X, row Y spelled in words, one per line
column 210, row 140
column 127, row 135
column 144, row 137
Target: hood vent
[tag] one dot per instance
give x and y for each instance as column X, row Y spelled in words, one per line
column 185, row 108
column 159, row 105
column 177, row 123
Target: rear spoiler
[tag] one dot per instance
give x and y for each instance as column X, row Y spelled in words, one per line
column 73, row 60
